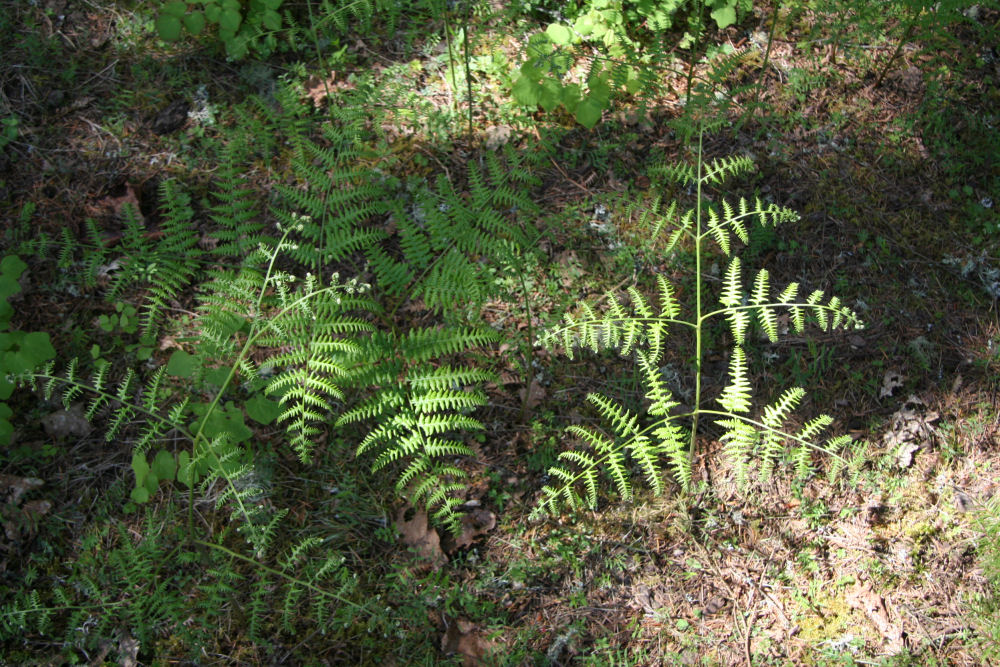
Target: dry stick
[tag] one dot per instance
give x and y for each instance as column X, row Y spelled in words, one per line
column 899, row 47
column 468, row 58
column 566, row 176
column 767, row 55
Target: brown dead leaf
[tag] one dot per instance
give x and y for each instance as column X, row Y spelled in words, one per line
column 420, row 536
column 911, row 429
column 716, row 604
column 318, row 89
column 864, row 597
column 112, row 206
column 891, row 381
column 535, row 394
column 461, row 637
column 475, row 523
column 14, row 487
column 25, row 520
column 497, row 136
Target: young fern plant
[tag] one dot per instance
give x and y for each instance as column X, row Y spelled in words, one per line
column 755, row 440
column 288, row 344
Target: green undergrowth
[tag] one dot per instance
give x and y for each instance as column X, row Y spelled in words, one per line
column 356, row 296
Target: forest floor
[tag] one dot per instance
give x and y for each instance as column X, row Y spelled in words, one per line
column 896, row 184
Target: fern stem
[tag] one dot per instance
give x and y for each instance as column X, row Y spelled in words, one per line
column 779, row 432
column 451, row 60
column 691, row 67
column 767, row 55
column 899, row 47
column 699, row 318
column 530, row 356
column 283, row 575
column 468, row 59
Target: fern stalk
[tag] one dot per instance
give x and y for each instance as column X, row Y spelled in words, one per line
column 698, row 352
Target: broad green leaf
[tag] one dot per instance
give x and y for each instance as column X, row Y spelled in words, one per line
column 725, row 16
column 559, row 34
column 164, row 466
column 11, row 269
column 229, row 20
column 212, row 12
column 228, row 420
column 263, row 410
column 526, row 91
column 181, row 364
column 584, row 25
column 599, row 91
column 538, row 45
column 185, row 472
column 217, row 376
column 16, row 362
column 6, row 388
column 194, row 22
column 588, row 112
column 236, row 47
column 271, row 20
column 140, row 495
column 140, row 467
column 571, row 95
column 633, row 84
column 36, row 348
column 168, row 27
column 550, row 94
column 6, row 428
column 152, row 482
column 176, row 9
column 272, row 4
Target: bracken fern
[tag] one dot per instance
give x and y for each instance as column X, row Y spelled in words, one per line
column 640, row 327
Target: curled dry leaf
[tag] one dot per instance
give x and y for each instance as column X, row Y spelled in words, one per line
column 716, row 604
column 420, row 536
column 24, row 521
column 912, row 428
column 497, row 136
column 462, row 638
column 532, row 395
column 475, row 523
column 891, row 381
column 13, row 487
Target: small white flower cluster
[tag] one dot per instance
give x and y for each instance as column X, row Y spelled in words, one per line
column 203, row 112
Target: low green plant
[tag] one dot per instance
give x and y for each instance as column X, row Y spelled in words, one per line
column 986, row 607
column 647, row 440
column 8, row 130
column 629, row 56
column 20, row 352
column 242, row 26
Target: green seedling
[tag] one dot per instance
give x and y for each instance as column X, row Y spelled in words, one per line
column 20, row 352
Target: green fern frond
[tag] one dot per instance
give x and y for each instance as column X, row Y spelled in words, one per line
column 420, row 345
column 772, row 436
column 732, row 285
column 740, row 439
column 766, row 316
column 587, row 468
column 620, row 327
column 660, row 398
column 736, row 397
